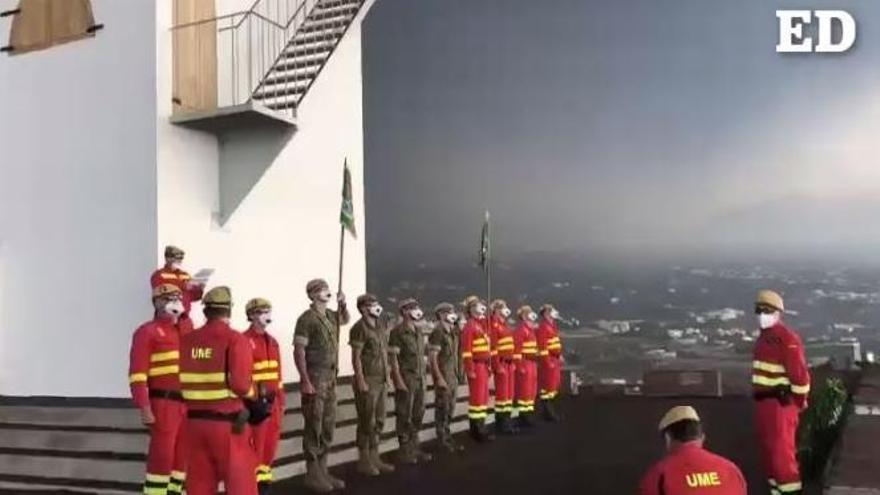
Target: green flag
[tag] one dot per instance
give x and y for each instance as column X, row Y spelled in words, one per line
column 346, row 215
column 484, row 243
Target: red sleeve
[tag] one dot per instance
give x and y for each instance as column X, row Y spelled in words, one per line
column 156, row 279
column 139, row 365
column 740, row 480
column 241, row 365
column 541, row 338
column 650, row 484
column 796, row 367
column 467, row 338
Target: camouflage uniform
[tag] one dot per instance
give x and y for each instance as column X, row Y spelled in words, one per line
column 319, row 335
column 372, row 344
column 445, row 342
column 407, row 343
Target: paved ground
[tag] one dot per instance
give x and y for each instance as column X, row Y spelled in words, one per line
column 602, row 447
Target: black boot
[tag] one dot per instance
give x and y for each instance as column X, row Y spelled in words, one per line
column 485, row 432
column 474, row 430
column 263, row 488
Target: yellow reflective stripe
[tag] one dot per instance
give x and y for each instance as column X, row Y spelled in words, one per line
column 770, row 382
column 505, row 340
column 203, row 377
column 164, row 356
column 479, row 341
column 178, row 475
column 164, row 370
column 768, row 367
column 494, row 353
column 260, row 377
column 137, row 377
column 157, row 478
column 466, row 354
column 168, row 276
column 790, row 487
column 517, row 356
column 207, row 394
column 481, row 348
column 529, row 351
column 149, row 490
column 800, row 389
column 543, row 353
column 261, row 365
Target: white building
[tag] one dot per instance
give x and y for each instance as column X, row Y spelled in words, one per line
column 142, row 135
column 219, row 126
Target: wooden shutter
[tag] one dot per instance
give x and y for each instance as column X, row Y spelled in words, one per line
column 40, row 24
column 195, row 56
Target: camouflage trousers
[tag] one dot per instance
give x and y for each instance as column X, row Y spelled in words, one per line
column 370, row 407
column 319, row 414
column 409, row 410
column 444, row 409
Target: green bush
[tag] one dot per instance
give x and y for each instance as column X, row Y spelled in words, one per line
column 820, row 426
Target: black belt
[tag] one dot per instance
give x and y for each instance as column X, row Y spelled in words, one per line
column 166, row 394
column 782, row 394
column 212, row 415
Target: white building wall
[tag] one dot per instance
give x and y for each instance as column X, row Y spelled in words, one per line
column 286, row 231
column 78, row 222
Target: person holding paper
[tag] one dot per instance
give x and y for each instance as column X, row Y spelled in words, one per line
column 173, row 273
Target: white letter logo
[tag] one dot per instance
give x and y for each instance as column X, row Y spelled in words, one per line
column 788, row 29
column 847, row 31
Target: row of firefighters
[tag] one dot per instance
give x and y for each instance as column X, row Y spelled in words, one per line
column 213, row 397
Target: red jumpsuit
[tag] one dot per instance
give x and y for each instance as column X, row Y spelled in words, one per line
column 550, row 359
column 526, row 358
column 781, row 384
column 690, row 469
column 215, row 372
column 180, row 279
column 476, row 354
column 502, row 363
column 267, row 376
column 152, row 374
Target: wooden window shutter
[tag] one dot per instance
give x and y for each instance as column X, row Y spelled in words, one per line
column 40, row 24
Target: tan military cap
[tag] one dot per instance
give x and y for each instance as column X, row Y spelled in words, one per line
column 523, row 311
column 770, row 298
column 173, row 252
column 366, row 300
column 257, row 304
column 315, row 285
column 470, row 301
column 218, row 297
column 498, row 304
column 165, row 290
column 407, row 303
column 676, row 414
column 443, row 307
column 547, row 308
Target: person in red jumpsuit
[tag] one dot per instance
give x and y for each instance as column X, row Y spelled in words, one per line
column 216, row 366
column 268, row 383
column 476, row 355
column 501, row 341
column 173, row 274
column 550, row 361
column 781, row 385
column 525, row 357
column 688, row 468
column 155, row 389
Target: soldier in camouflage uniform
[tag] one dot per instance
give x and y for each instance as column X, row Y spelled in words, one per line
column 406, row 348
column 446, row 369
column 316, row 353
column 369, row 357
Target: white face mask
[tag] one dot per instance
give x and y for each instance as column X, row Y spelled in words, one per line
column 451, row 318
column 176, row 265
column 532, row 317
column 416, row 314
column 173, row 307
column 374, row 310
column 480, row 311
column 505, row 312
column 325, row 296
column 767, row 320
column 265, row 319
column 554, row 314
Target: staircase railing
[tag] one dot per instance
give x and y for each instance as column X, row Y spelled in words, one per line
column 221, row 61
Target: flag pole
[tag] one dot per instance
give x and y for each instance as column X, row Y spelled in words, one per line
column 488, row 260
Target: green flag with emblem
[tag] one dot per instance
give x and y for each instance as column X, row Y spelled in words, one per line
column 346, row 215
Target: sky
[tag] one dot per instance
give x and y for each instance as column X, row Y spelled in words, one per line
column 617, row 126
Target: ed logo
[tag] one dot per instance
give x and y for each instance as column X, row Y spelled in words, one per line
column 793, row 40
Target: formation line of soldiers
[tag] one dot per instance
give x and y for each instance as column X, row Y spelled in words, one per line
column 213, row 398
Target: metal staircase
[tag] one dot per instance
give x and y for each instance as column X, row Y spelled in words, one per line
column 258, row 64
column 302, row 60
